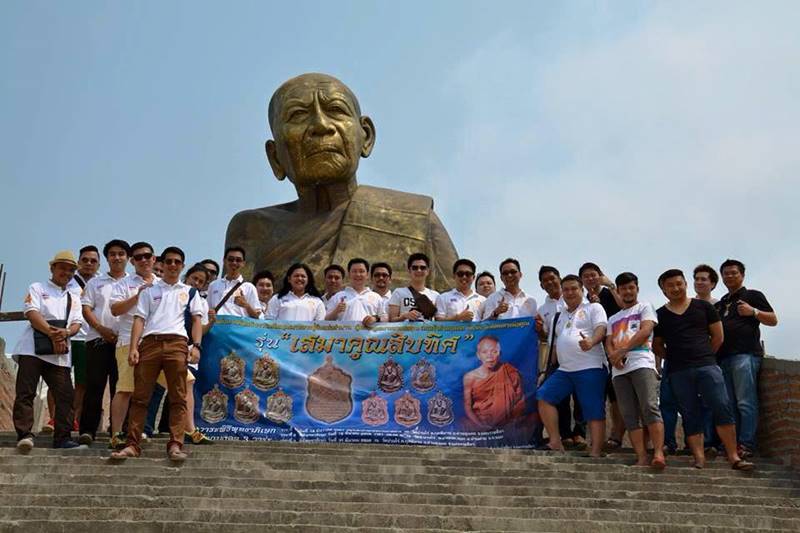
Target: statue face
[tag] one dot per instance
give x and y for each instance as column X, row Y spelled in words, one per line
column 319, row 133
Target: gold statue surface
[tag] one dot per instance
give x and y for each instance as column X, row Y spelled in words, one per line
column 319, row 137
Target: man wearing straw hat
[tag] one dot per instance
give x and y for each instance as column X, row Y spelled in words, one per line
column 43, row 352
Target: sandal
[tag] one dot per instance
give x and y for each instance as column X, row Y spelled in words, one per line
column 743, row 465
column 659, row 463
column 176, row 454
column 121, row 455
column 613, row 444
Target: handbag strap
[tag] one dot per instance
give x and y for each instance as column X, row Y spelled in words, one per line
column 80, row 281
column 69, row 307
column 228, row 295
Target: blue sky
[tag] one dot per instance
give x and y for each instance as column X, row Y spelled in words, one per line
column 640, row 135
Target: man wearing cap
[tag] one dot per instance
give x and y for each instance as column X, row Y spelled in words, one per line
column 49, row 301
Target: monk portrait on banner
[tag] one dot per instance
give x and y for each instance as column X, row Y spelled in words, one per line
column 493, row 393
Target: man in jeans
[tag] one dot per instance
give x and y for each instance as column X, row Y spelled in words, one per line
column 160, row 324
column 688, row 335
column 743, row 311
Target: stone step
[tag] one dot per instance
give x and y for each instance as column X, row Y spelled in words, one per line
column 44, row 526
column 306, row 481
column 327, row 502
column 365, row 465
column 380, row 517
column 369, row 450
column 323, row 472
column 573, row 494
column 531, row 459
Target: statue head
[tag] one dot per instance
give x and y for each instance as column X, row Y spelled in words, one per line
column 319, row 132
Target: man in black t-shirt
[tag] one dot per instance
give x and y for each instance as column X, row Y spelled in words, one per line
column 743, row 311
column 688, row 334
column 600, row 289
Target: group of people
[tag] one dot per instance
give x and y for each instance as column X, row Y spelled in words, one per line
column 136, row 333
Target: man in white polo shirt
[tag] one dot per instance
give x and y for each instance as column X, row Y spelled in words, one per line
column 381, row 276
column 579, row 331
column 101, row 338
column 510, row 301
column 356, row 301
column 45, row 303
column 124, row 298
column 231, row 294
column 415, row 302
column 461, row 304
column 160, row 325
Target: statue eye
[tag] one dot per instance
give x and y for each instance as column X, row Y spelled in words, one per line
column 297, row 114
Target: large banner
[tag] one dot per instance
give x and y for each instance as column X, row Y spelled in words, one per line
column 444, row 383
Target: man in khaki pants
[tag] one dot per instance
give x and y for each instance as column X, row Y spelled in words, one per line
column 159, row 323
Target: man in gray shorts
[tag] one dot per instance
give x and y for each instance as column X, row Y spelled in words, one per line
column 629, row 342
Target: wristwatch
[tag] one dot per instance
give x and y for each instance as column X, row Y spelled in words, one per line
column 755, row 313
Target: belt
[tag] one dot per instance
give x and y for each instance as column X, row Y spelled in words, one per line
column 94, row 343
column 159, row 337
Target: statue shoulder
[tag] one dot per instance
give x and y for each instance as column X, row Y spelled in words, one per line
column 256, row 221
column 393, row 199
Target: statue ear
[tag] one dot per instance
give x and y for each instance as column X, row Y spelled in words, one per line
column 274, row 162
column 369, row 136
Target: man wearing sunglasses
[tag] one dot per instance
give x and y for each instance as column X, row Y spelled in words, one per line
column 415, row 302
column 165, row 345
column 124, row 298
column 461, row 304
column 88, row 264
column 510, row 301
column 213, row 273
column 243, row 298
column 101, row 337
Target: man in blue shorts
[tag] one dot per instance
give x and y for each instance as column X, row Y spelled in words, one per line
column 579, row 333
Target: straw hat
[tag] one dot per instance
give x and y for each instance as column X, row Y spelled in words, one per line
column 64, row 256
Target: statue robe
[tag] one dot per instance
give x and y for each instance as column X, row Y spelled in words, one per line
column 498, row 398
column 376, row 224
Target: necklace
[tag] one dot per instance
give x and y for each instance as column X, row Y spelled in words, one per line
column 570, row 316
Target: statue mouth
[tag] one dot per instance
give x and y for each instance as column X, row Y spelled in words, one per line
column 328, row 149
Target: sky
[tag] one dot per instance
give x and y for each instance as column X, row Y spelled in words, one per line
column 638, row 135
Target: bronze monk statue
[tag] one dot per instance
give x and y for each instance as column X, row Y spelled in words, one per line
column 319, row 137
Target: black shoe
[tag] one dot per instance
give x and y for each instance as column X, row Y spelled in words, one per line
column 69, row 445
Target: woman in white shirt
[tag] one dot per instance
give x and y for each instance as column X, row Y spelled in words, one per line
column 298, row 300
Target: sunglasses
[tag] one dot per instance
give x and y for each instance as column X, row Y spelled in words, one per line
column 173, row 262
column 465, row 274
column 212, row 272
column 509, row 272
column 418, row 268
column 380, row 275
column 142, row 257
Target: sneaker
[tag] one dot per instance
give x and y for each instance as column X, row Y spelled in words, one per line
column 117, row 442
column 196, row 437
column 86, row 439
column 69, row 445
column 49, row 427
column 24, row 446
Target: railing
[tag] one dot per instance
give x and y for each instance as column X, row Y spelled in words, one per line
column 11, row 316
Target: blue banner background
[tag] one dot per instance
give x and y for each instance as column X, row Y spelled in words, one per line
column 284, row 343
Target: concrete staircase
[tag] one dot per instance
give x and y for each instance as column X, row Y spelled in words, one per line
column 255, row 486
